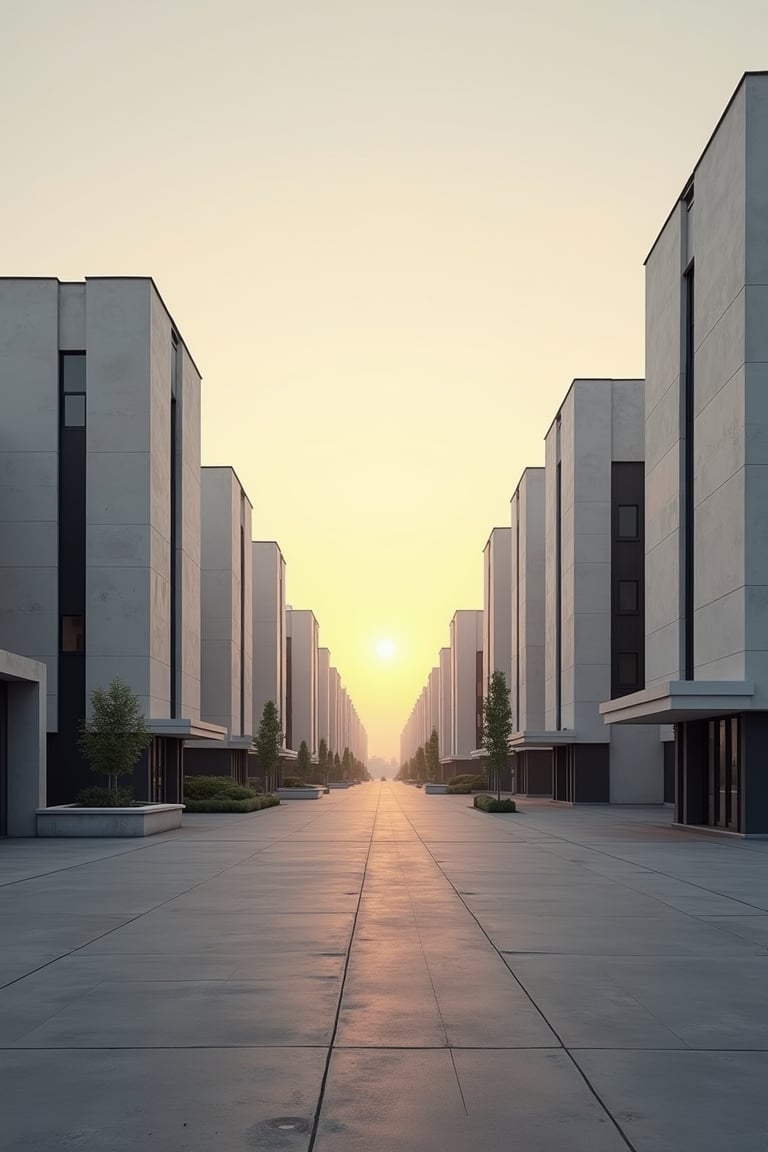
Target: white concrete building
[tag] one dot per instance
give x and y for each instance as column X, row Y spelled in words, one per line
column 433, row 703
column 226, row 626
column 270, row 657
column 303, row 659
column 323, row 696
column 497, row 606
column 706, row 488
column 445, row 716
column 533, row 765
column 594, row 595
column 100, row 513
column 334, row 711
column 466, row 689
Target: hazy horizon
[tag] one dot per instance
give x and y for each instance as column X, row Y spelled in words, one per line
column 391, row 235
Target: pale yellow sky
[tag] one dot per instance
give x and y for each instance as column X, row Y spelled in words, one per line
column 391, row 233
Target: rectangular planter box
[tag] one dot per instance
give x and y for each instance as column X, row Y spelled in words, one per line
column 298, row 793
column 69, row 820
column 436, row 789
column 340, row 784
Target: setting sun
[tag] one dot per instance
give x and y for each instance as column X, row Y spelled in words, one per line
column 385, row 649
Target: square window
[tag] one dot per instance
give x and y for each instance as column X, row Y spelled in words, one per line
column 628, row 669
column 73, row 372
column 74, row 410
column 629, row 596
column 629, row 522
column 73, row 634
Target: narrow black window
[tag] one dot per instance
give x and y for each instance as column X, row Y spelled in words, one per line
column 628, row 527
column 688, row 495
column 173, row 497
column 628, row 669
column 629, row 596
column 73, row 634
column 558, row 594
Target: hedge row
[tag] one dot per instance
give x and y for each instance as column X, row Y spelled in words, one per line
column 491, row 804
column 224, row 804
column 476, row 782
column 459, row 789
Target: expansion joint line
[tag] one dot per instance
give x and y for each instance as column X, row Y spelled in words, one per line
column 581, row 1073
column 337, row 1016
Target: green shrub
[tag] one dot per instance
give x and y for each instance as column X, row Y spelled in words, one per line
column 459, row 789
column 216, row 787
column 477, row 782
column 225, row 804
column 95, row 797
column 255, row 783
column 316, row 779
column 491, row 804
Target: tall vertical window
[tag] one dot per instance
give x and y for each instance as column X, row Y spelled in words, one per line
column 558, row 595
column 242, row 615
column 688, row 496
column 72, row 499
column 173, row 496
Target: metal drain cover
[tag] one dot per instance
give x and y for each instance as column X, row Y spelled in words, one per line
column 289, row 1124
column 277, row 1132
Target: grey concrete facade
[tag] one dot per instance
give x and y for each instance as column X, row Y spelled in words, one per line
column 23, row 709
column 226, row 624
column 466, row 682
column 323, row 695
column 100, row 509
column 270, row 676
column 596, row 436
column 497, row 606
column 303, row 636
column 445, row 726
column 706, row 417
column 533, row 767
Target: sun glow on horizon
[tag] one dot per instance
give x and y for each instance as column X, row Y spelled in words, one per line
column 386, row 649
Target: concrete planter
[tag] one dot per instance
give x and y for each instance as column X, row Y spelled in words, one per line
column 298, row 793
column 70, row 820
column 436, row 789
column 340, row 784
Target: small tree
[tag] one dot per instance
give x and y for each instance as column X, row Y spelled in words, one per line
column 432, row 756
column 322, row 760
column 303, row 761
column 497, row 726
column 268, row 743
column 336, row 767
column 421, row 764
column 346, row 764
column 114, row 736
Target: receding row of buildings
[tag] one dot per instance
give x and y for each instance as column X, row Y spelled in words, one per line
column 120, row 556
column 627, row 600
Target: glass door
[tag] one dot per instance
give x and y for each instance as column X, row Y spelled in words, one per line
column 3, row 758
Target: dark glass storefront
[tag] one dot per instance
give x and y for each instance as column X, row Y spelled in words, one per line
column 720, row 777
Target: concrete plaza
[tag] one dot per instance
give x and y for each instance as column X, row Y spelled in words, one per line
column 390, row 972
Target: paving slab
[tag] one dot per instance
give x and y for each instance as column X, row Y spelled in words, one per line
column 561, row 978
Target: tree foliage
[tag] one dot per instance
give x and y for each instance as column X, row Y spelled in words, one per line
column 432, row 756
column 303, row 761
column 497, row 726
column 114, row 736
column 268, row 743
